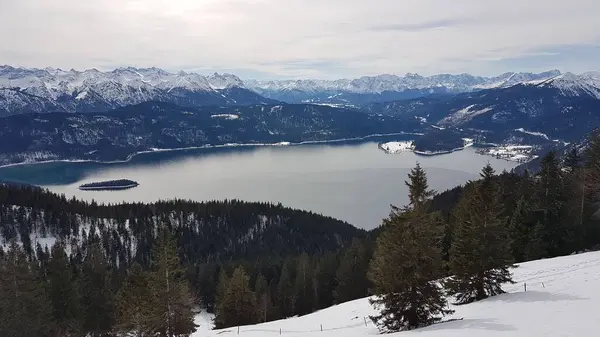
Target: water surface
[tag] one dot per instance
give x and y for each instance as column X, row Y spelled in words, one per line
column 352, row 181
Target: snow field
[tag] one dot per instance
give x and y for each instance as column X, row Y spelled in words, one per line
column 562, row 299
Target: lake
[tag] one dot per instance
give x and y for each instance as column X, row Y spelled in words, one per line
column 352, row 181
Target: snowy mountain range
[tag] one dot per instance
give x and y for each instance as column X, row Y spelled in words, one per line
column 25, row 90
column 368, row 89
column 542, row 109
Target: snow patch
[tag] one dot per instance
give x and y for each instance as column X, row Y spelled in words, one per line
column 226, row 116
column 516, row 153
column 81, row 95
column 533, row 133
column 397, row 147
column 464, row 115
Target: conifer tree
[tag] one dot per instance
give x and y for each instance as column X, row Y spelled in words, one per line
column 134, row 301
column 285, row 291
column 238, row 306
column 325, row 280
column 552, row 202
column 407, row 262
column 172, row 304
column 24, row 307
column 536, row 247
column 263, row 298
column 519, row 230
column 63, row 293
column 220, row 291
column 304, row 287
column 351, row 276
column 97, row 296
column 480, row 255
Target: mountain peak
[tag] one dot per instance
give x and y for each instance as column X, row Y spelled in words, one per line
column 225, row 80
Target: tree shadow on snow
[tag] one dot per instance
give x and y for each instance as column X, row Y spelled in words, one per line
column 470, row 323
column 533, row 296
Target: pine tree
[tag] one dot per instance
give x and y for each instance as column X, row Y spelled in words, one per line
column 406, row 263
column 134, row 302
column 304, row 287
column 63, row 293
column 263, row 298
column 325, row 280
column 220, row 294
column 418, row 188
column 171, row 308
column 351, row 275
column 591, row 159
column 536, row 246
column 480, row 255
column 24, row 307
column 238, row 306
column 285, row 291
column 97, row 296
column 552, row 202
column 519, row 230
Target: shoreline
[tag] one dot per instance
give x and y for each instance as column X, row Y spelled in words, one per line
column 108, row 188
column 208, row 146
column 468, row 143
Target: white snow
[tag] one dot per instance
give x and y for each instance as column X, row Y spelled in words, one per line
column 388, row 82
column 533, row 133
column 561, row 300
column 468, row 142
column 81, row 95
column 226, row 116
column 397, row 147
column 464, row 115
column 517, row 153
column 574, row 85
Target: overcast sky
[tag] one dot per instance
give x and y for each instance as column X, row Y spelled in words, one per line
column 326, row 39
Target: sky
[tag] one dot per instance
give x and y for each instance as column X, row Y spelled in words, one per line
column 324, row 39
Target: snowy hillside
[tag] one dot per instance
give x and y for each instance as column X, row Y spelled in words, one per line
column 561, row 300
column 587, row 84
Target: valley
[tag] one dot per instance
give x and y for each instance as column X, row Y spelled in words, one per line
column 299, row 168
column 326, row 178
column 542, row 111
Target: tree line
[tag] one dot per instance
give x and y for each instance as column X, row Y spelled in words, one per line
column 460, row 248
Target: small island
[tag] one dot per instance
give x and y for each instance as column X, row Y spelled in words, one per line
column 120, row 184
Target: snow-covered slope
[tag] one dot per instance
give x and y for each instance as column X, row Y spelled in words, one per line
column 575, row 85
column 561, row 300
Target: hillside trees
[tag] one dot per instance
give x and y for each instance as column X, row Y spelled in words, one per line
column 171, row 306
column 63, row 293
column 351, row 276
column 480, row 253
column 407, row 294
column 24, row 306
column 238, row 305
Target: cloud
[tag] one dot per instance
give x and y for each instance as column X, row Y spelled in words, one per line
column 301, row 38
column 420, row 26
